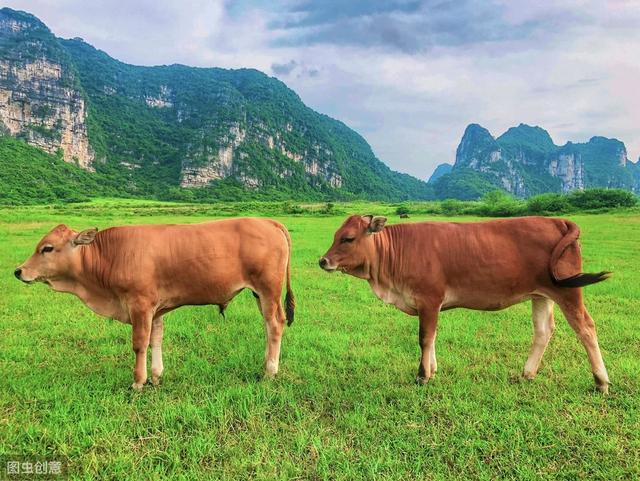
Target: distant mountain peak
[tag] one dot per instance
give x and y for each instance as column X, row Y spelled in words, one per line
column 476, row 140
column 524, row 135
column 525, row 161
column 14, row 21
column 439, row 171
column 476, row 130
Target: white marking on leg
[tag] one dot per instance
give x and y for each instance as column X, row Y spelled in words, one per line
column 543, row 327
column 157, row 367
column 271, row 367
column 432, row 358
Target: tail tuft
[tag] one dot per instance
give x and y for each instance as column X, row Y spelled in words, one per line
column 290, row 305
column 289, row 300
column 584, row 279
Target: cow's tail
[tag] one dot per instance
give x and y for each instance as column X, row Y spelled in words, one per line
column 579, row 280
column 289, row 299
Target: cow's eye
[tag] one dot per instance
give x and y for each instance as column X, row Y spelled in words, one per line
column 46, row 249
column 347, row 240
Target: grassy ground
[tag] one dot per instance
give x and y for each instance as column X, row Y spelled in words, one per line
column 344, row 405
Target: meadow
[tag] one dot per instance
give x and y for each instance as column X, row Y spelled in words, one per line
column 344, row 405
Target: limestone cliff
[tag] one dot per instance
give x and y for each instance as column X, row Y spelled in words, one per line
column 568, row 167
column 524, row 161
column 40, row 101
column 204, row 164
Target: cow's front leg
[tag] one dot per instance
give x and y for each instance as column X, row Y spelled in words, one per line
column 428, row 315
column 274, row 319
column 141, row 319
column 157, row 328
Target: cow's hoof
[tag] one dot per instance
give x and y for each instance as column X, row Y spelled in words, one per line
column 528, row 375
column 420, row 380
column 602, row 383
column 155, row 380
column 137, row 387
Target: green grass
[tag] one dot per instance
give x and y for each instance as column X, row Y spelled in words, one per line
column 344, row 405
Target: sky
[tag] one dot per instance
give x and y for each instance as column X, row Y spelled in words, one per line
column 408, row 75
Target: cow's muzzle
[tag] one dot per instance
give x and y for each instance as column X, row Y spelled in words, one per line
column 324, row 264
column 18, row 274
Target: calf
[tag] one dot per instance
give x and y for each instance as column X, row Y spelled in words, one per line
column 427, row 267
column 136, row 274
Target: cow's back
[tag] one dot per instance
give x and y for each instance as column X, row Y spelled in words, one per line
column 191, row 263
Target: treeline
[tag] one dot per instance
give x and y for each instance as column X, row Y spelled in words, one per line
column 500, row 204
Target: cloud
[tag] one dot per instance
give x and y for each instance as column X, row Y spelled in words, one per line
column 300, row 69
column 284, row 68
column 407, row 75
column 420, row 26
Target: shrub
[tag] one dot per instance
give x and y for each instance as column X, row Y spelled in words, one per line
column 403, row 209
column 328, row 208
column 452, row 207
column 499, row 204
column 291, row 208
column 548, row 203
column 602, row 198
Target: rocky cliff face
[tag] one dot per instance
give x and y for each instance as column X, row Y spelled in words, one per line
column 204, row 165
column 568, row 167
column 39, row 100
column 524, row 161
column 479, row 151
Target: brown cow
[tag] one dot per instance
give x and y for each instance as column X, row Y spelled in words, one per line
column 136, row 274
column 426, row 267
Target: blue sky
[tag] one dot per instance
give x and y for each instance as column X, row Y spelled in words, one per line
column 408, row 75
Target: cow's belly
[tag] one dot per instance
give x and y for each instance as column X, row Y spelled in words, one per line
column 201, row 293
column 482, row 301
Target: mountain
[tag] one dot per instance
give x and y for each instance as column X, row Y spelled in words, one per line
column 178, row 130
column 440, row 170
column 525, row 161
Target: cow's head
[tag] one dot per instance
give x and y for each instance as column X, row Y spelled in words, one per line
column 351, row 244
column 55, row 255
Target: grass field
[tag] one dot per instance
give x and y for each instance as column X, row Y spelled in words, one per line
column 344, row 405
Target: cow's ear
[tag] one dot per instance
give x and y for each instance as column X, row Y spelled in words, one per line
column 85, row 237
column 377, row 224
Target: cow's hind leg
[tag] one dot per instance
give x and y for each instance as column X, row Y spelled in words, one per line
column 543, row 327
column 428, row 315
column 274, row 319
column 157, row 328
column 583, row 325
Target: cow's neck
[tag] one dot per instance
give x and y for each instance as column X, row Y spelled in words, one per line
column 65, row 284
column 379, row 259
column 86, row 282
column 79, row 288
